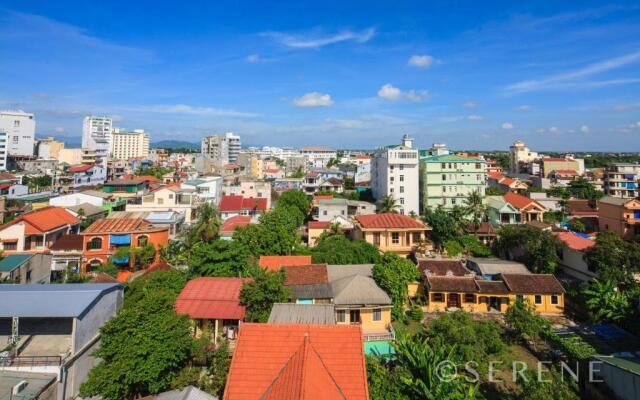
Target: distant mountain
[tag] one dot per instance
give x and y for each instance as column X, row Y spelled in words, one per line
column 174, row 144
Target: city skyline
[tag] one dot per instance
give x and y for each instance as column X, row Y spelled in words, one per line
column 558, row 77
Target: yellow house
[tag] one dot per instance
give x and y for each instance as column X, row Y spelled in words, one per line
column 397, row 233
column 481, row 296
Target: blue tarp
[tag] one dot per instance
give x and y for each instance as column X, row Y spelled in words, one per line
column 120, row 240
column 123, row 260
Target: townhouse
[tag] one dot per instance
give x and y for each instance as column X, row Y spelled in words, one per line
column 231, row 206
column 37, row 230
column 397, row 233
column 620, row 215
column 168, row 198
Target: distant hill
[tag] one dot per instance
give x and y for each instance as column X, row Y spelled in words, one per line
column 174, row 144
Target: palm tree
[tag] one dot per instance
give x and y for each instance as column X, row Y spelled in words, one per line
column 387, row 204
column 475, row 208
column 205, row 229
column 606, row 301
column 335, row 228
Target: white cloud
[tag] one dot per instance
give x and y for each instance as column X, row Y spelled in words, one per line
column 314, row 99
column 524, row 107
column 59, row 129
column 507, row 125
column 554, row 129
column 574, row 77
column 392, row 93
column 421, row 61
column 475, row 117
column 470, row 104
column 252, row 58
column 315, row 40
column 584, row 129
column 541, row 130
column 186, row 109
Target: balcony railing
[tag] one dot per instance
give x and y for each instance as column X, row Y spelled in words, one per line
column 29, row 361
column 378, row 337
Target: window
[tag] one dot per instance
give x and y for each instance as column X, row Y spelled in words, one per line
column 401, row 200
column 401, row 189
column 478, row 166
column 340, row 315
column 324, row 212
column 444, row 177
column 160, row 201
column 537, row 299
column 94, row 244
column 554, row 299
column 16, row 124
column 395, row 238
column 416, row 237
column 171, row 195
column 443, row 165
column 437, row 297
column 376, row 239
column 401, row 178
column 469, row 298
column 390, row 190
column 10, row 246
column 377, row 314
column 354, row 316
column 444, row 189
column 143, row 240
column 519, row 297
column 391, row 179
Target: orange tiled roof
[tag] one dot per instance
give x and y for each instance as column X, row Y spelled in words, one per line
column 287, row 362
column 120, row 225
column 389, row 221
column 80, row 168
column 274, row 263
column 312, row 274
column 519, row 201
column 44, row 220
column 319, row 224
column 230, row 225
column 211, row 298
column 143, row 178
column 575, row 242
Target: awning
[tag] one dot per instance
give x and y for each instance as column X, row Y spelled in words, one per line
column 123, row 260
column 119, row 240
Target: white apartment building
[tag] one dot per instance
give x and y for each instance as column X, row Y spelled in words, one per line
column 622, row 180
column 318, row 157
column 126, row 145
column 223, row 149
column 3, row 151
column 20, row 130
column 395, row 172
column 96, row 135
column 520, row 154
column 282, row 153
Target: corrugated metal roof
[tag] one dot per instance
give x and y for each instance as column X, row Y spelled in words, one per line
column 337, row 271
column 51, row 301
column 13, row 261
column 358, row 289
column 289, row 313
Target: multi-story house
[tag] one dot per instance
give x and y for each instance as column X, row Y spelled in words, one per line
column 566, row 164
column 231, row 206
column 395, row 172
column 126, row 188
column 520, row 156
column 323, row 181
column 248, row 188
column 513, row 208
column 126, row 145
column 620, row 215
column 621, row 180
column 20, row 129
column 318, row 157
column 447, row 180
column 169, row 198
column 103, row 238
column 37, row 230
column 96, row 137
column 49, row 148
column 86, row 175
column 397, row 233
column 207, row 188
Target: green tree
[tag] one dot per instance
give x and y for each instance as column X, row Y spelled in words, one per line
column 388, row 204
column 384, row 380
column 494, row 191
column 296, row 199
column 220, row 368
column 537, row 249
column 219, row 258
column 583, row 189
column 577, row 225
column 142, row 349
column 475, row 208
column 168, row 282
column 607, row 302
column 205, row 228
column 421, row 359
column 522, row 318
column 443, row 224
column 259, row 294
column 339, row 250
column 613, row 259
column 393, row 273
column 558, row 388
column 276, row 234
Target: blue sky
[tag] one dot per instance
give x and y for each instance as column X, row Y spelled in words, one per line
column 479, row 75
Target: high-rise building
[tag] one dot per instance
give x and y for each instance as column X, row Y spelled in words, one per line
column 3, row 151
column 447, row 180
column 394, row 172
column 96, row 135
column 222, row 149
column 20, row 131
column 622, row 180
column 520, row 156
column 125, row 145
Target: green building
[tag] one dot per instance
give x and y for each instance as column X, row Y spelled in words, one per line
column 446, row 180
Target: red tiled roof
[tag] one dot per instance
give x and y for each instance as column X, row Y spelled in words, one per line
column 143, row 178
column 581, row 207
column 211, row 298
column 230, row 225
column 311, row 274
column 67, row 242
column 319, row 197
column 451, row 284
column 519, row 201
column 566, row 172
column 373, row 221
column 274, row 263
column 44, row 220
column 5, row 185
column 443, row 267
column 238, row 203
column 120, row 225
column 532, row 283
column 80, row 168
column 335, row 181
column 485, row 228
column 575, row 242
column 495, row 175
column 319, row 224
column 287, row 362
column 497, row 287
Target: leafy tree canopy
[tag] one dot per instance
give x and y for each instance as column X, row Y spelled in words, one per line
column 614, row 259
column 537, row 249
column 219, row 258
column 393, row 273
column 296, row 199
column 259, row 294
column 445, row 225
column 338, row 249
